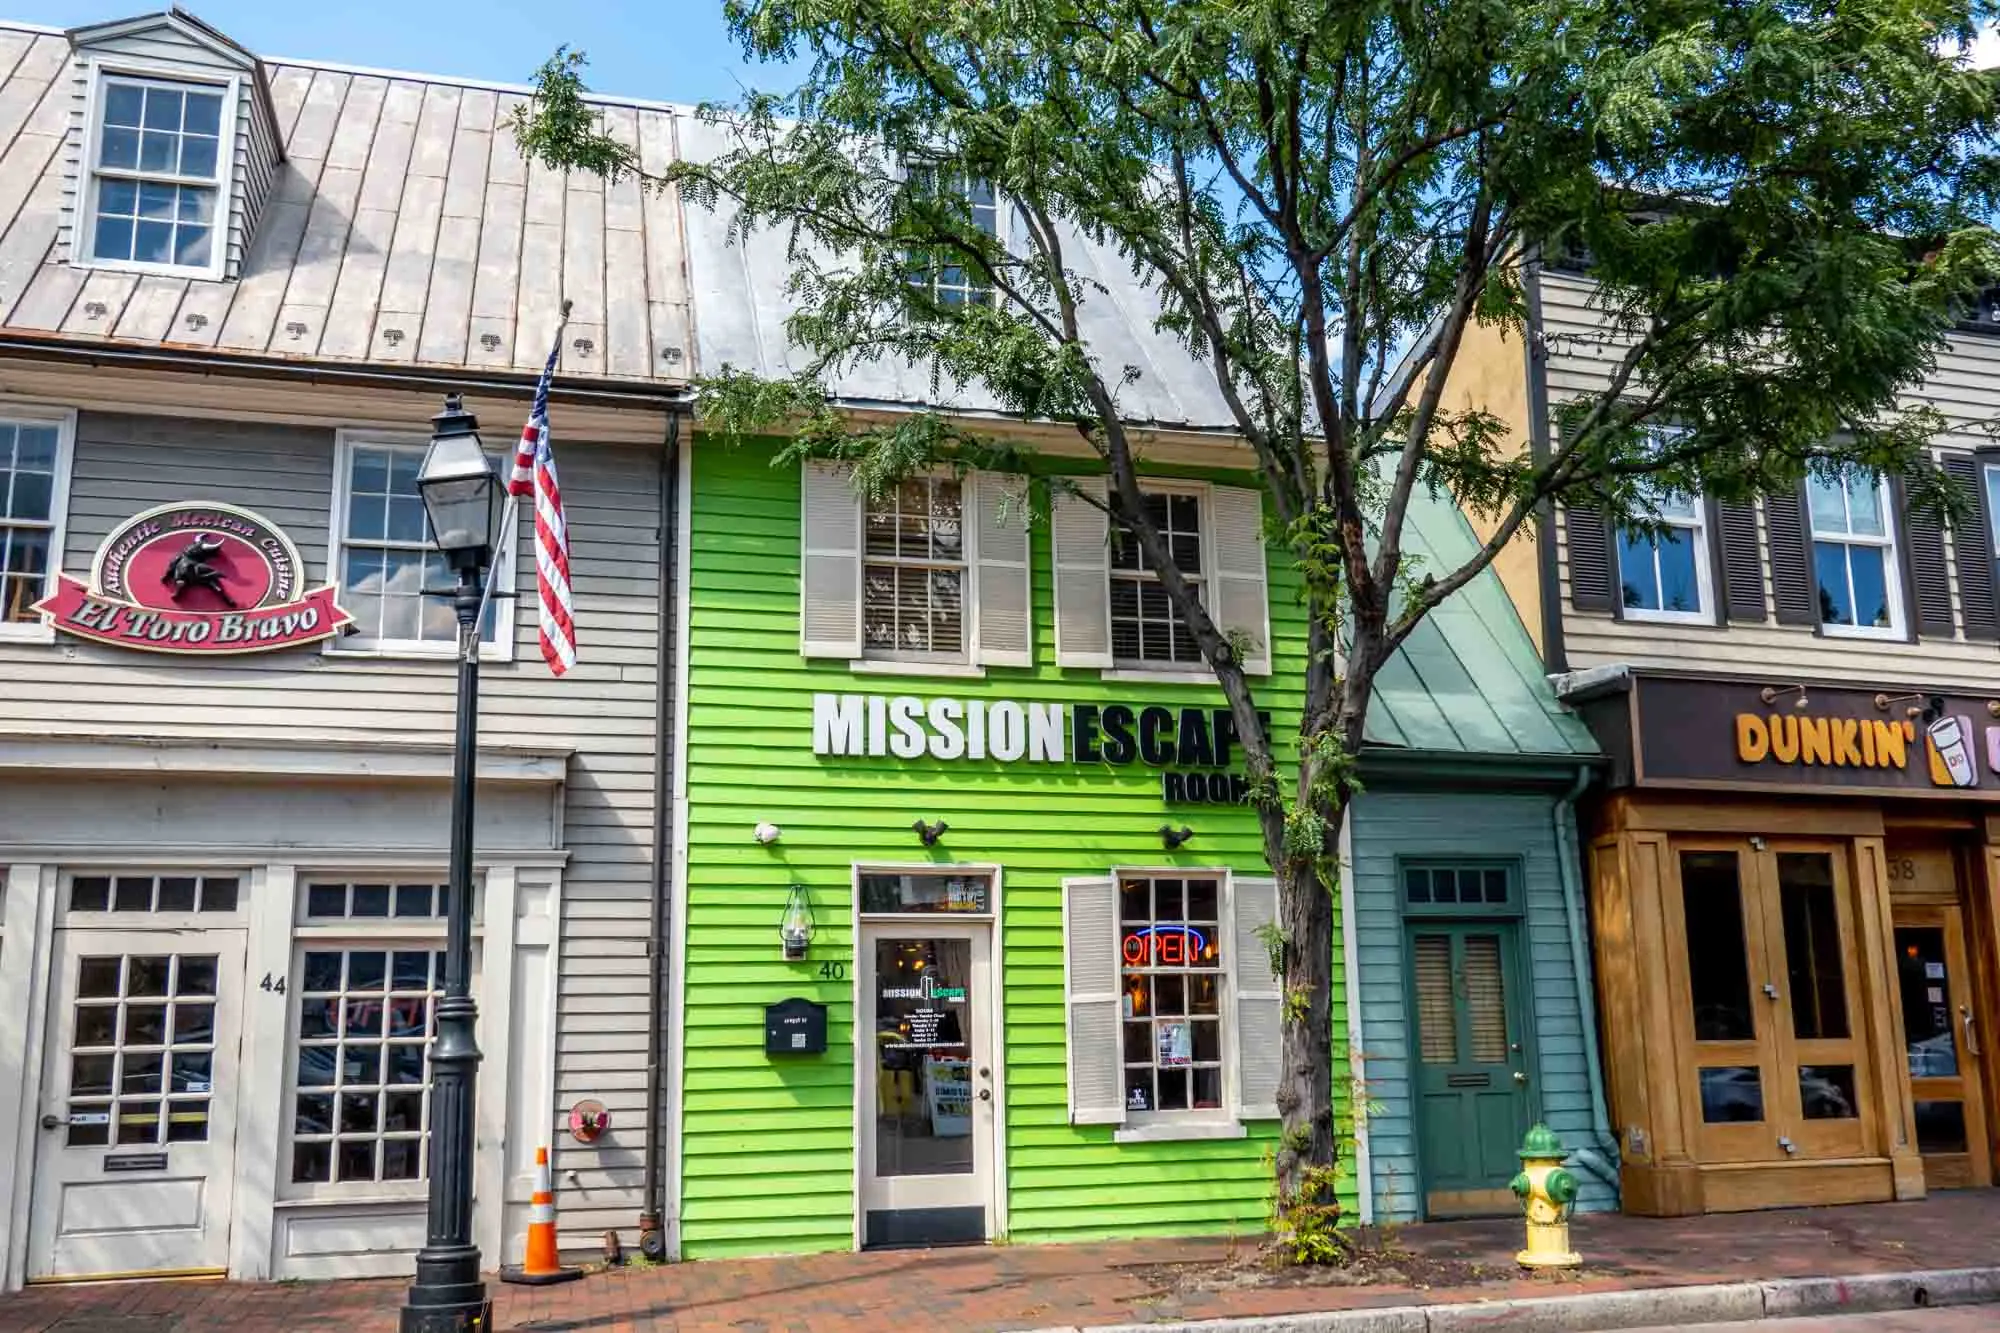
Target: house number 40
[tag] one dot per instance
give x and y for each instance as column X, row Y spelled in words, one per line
column 275, row 985
column 833, row 971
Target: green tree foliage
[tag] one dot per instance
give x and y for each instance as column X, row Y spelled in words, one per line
column 1779, row 199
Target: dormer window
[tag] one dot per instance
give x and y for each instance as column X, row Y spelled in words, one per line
column 157, row 168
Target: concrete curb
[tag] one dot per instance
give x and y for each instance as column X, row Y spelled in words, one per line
column 1600, row 1312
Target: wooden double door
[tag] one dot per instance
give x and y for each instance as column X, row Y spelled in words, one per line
column 1775, row 1065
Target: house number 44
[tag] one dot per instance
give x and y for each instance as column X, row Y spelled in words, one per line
column 276, row 985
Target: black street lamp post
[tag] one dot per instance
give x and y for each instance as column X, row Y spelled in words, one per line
column 461, row 494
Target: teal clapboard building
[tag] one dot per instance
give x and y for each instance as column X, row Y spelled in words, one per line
column 1470, row 997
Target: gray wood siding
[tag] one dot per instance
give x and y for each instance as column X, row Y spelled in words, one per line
column 604, row 709
column 1389, row 824
column 1965, row 389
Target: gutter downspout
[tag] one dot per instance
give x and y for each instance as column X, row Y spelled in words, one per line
column 1357, row 1074
column 1600, row 1158
column 652, row 1207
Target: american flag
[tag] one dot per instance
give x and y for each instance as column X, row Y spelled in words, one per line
column 535, row 475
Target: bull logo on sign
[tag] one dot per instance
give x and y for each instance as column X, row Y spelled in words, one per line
column 191, row 569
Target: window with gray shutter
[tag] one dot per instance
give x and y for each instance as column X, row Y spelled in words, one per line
column 1927, row 583
column 1792, row 585
column 1589, row 558
column 1741, row 554
column 1094, row 1002
column 1259, row 998
column 1972, row 543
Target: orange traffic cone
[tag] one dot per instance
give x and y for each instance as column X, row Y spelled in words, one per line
column 541, row 1267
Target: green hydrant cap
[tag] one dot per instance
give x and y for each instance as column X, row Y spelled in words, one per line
column 1542, row 1142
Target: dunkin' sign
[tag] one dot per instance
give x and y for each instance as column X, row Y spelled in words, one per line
column 195, row 578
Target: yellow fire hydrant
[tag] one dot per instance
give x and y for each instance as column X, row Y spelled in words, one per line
column 1547, row 1193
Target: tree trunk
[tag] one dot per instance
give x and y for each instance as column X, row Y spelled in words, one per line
column 1310, row 1149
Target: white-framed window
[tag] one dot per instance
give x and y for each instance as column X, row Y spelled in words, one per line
column 914, row 572
column 1665, row 575
column 1854, row 553
column 159, row 153
column 35, row 449
column 1147, row 631
column 942, row 272
column 1172, row 961
column 1989, row 474
column 368, row 970
column 1174, row 1014
column 383, row 559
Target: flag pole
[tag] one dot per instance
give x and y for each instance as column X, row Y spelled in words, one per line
column 510, row 512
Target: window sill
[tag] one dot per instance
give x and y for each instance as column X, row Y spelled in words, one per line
column 1176, row 1131
column 1643, row 617
column 198, row 273
column 874, row 666
column 412, row 652
column 1888, row 634
column 372, row 1199
column 25, row 632
column 1148, row 676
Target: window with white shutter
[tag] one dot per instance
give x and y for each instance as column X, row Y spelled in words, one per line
column 1259, row 997
column 913, row 569
column 830, row 573
column 1006, row 628
column 1090, row 979
column 1080, row 535
column 1242, row 602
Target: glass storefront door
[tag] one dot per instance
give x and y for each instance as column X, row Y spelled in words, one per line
column 1777, row 1069
column 1941, row 1043
column 927, row 1085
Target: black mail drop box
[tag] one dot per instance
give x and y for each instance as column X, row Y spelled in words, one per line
column 794, row 1027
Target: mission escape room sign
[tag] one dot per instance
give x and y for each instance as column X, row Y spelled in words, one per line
column 1193, row 748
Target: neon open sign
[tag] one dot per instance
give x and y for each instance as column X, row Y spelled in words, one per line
column 1169, row 944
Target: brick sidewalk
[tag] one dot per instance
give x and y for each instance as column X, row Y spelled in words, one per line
column 1033, row 1286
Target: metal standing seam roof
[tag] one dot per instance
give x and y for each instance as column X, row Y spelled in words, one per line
column 403, row 229
column 1468, row 680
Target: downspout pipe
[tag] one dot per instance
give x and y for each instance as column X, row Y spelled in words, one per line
column 1600, row 1157
column 652, row 1236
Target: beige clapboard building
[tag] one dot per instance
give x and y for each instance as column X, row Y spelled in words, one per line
column 230, row 286
column 1795, row 859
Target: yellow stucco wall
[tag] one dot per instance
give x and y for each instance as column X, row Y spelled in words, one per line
column 1492, row 373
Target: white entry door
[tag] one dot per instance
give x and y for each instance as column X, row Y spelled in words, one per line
column 927, row 1086
column 134, row 1157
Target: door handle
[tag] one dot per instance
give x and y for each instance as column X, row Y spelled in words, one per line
column 1770, row 990
column 1520, row 1078
column 52, row 1121
column 1971, row 1031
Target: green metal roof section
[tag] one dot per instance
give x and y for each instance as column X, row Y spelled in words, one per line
column 1468, row 681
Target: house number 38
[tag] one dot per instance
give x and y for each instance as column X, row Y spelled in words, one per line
column 276, row 985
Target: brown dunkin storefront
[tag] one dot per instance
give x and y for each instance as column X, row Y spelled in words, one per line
column 1793, row 891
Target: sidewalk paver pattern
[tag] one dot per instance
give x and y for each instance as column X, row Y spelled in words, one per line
column 978, row 1290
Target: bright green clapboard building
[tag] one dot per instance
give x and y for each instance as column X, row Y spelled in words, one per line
column 959, row 745
column 966, row 904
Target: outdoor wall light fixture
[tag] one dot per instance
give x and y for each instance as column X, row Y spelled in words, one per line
column 1886, row 701
column 766, row 832
column 1175, row 838
column 796, row 929
column 930, row 833
column 1770, row 694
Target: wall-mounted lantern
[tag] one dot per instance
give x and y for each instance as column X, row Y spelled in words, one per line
column 930, row 833
column 796, row 929
column 1175, row 838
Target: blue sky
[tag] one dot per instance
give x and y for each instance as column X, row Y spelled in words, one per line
column 669, row 50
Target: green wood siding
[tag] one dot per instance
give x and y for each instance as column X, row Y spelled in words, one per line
column 768, row 1155
column 1424, row 823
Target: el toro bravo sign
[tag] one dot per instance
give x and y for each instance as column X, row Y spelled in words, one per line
column 195, row 578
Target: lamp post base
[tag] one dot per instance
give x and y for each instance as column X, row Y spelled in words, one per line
column 447, row 1296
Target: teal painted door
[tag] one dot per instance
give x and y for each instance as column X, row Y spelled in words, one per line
column 1472, row 1070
